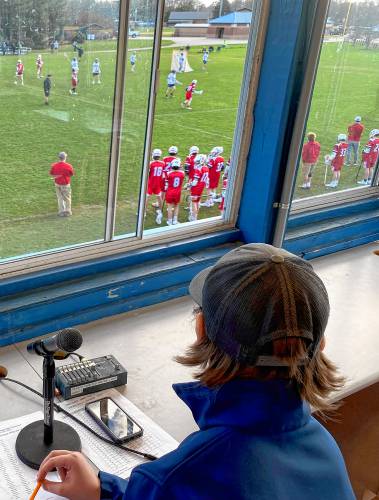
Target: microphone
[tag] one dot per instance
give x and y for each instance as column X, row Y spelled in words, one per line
column 67, row 340
column 38, row 439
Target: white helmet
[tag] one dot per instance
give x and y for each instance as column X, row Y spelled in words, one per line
column 200, row 159
column 341, row 137
column 357, row 119
column 18, row 61
column 157, row 152
column 194, row 81
column 173, row 150
column 220, row 150
column 374, row 132
column 175, row 164
column 194, row 150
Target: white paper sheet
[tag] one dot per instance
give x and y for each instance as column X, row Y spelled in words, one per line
column 107, row 457
column 17, row 480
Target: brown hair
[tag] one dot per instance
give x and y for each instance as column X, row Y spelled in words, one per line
column 315, row 379
column 311, row 136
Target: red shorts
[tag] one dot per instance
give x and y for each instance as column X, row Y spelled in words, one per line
column 173, row 197
column 222, row 204
column 214, row 180
column 154, row 188
column 196, row 193
column 337, row 168
column 188, row 96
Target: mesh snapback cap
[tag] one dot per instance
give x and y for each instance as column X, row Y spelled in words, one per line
column 258, row 293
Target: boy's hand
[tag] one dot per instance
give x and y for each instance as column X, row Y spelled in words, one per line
column 78, row 480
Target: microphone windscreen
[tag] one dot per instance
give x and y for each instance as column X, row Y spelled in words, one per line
column 3, row 372
column 69, row 339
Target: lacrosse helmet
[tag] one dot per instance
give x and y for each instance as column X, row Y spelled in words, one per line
column 194, row 81
column 200, row 159
column 374, row 132
column 173, row 150
column 341, row 137
column 175, row 164
column 194, row 150
column 357, row 119
column 156, row 152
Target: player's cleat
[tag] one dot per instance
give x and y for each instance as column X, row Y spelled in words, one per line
column 188, row 107
column 208, row 203
column 363, row 182
column 169, row 222
column 158, row 218
column 332, row 184
column 174, row 221
column 218, row 200
column 305, row 186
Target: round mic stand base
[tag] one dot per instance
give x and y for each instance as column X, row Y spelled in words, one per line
column 32, row 450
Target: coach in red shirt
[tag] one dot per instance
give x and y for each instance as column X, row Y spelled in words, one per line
column 310, row 154
column 355, row 131
column 62, row 173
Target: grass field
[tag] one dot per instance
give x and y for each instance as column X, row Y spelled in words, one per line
column 347, row 85
column 32, row 133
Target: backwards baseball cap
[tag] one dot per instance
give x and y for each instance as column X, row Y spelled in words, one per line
column 62, row 155
column 256, row 294
column 357, row 119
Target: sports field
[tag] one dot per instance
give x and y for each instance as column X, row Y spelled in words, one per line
column 32, row 133
column 347, row 85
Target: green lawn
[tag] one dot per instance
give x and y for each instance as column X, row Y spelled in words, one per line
column 346, row 86
column 33, row 134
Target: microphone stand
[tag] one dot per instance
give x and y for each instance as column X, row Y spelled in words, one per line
column 36, row 440
column 48, row 398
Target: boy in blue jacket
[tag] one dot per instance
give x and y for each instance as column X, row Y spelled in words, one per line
column 260, row 324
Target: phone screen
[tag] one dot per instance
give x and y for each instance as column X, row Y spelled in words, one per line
column 119, row 423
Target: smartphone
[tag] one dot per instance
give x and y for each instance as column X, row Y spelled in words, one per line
column 120, row 426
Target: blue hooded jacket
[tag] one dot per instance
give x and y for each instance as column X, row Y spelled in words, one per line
column 257, row 441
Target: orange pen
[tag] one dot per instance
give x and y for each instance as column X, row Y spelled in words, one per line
column 35, row 491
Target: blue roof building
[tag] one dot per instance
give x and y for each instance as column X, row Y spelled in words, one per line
column 235, row 25
column 238, row 17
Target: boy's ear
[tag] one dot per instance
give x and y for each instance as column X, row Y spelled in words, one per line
column 199, row 326
column 322, row 343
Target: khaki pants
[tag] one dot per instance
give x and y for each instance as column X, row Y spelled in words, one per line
column 63, row 197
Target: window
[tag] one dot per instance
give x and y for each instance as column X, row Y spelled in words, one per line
column 111, row 101
column 338, row 158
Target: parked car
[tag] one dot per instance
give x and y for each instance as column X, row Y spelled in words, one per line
column 133, row 33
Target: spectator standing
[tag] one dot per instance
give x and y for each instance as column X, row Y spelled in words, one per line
column 56, row 45
column 62, row 173
column 46, row 88
column 309, row 156
column 355, row 131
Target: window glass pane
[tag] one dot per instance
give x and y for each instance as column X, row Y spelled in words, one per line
column 196, row 110
column 76, row 43
column 142, row 15
column 344, row 108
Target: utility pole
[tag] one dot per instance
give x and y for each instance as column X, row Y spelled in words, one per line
column 221, row 8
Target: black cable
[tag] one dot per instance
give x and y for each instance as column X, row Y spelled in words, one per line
column 58, row 408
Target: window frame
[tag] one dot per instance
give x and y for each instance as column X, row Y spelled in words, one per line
column 114, row 245
column 287, row 205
